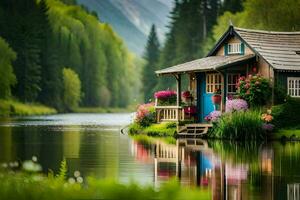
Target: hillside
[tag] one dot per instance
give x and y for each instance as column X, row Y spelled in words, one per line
column 132, row 19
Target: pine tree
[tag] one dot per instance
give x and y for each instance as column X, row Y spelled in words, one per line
column 51, row 72
column 151, row 56
column 232, row 6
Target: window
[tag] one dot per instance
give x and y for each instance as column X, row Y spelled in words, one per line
column 294, row 86
column 234, row 48
column 232, row 80
column 213, row 82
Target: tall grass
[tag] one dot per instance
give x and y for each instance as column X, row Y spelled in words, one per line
column 162, row 129
column 12, row 107
column 22, row 186
column 239, row 126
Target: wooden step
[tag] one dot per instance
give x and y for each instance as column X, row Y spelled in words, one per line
column 194, row 129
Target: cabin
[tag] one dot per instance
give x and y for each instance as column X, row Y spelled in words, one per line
column 239, row 52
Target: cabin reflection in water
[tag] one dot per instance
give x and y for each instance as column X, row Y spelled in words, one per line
column 197, row 165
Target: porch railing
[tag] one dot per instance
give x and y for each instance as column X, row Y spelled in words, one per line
column 169, row 113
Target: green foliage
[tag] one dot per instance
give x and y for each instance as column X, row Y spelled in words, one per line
column 8, row 78
column 12, row 108
column 37, row 187
column 63, row 170
column 50, row 34
column 159, row 130
column 191, row 24
column 263, row 15
column 151, row 57
column 239, row 126
column 254, row 89
column 287, row 114
column 72, row 89
column 145, row 115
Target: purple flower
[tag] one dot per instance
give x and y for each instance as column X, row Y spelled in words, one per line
column 213, row 116
column 268, row 127
column 236, row 105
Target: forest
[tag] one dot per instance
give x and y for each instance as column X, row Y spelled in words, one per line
column 58, row 53
column 196, row 25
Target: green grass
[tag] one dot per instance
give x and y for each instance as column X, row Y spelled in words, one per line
column 157, row 130
column 287, row 133
column 23, row 186
column 15, row 108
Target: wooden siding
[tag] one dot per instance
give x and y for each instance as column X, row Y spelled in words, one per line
column 234, row 39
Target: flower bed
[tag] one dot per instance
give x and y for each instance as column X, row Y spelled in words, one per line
column 145, row 114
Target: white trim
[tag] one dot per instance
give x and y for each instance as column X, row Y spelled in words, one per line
column 293, row 86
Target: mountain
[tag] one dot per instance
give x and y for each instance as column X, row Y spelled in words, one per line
column 132, row 19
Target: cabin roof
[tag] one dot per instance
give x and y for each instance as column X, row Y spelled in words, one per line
column 279, row 49
column 206, row 64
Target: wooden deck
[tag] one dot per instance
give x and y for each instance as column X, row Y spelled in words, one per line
column 193, row 130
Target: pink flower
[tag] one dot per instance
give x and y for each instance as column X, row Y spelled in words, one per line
column 236, row 105
column 165, row 94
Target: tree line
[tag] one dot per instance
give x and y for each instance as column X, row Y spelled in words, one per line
column 41, row 41
column 196, row 25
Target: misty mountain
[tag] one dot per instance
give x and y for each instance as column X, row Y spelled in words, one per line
column 132, row 19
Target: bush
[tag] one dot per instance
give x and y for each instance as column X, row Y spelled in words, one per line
column 287, row 114
column 145, row 115
column 239, row 126
column 254, row 89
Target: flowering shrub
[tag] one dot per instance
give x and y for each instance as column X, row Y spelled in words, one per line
column 186, row 94
column 213, row 116
column 167, row 97
column 254, row 89
column 145, row 114
column 267, row 118
column 236, row 105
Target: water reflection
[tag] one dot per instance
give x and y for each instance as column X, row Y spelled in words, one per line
column 229, row 170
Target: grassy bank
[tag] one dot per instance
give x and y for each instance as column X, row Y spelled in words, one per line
column 157, row 130
column 23, row 186
column 15, row 108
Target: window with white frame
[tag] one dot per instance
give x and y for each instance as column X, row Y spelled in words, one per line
column 234, row 48
column 232, row 80
column 213, row 82
column 294, row 86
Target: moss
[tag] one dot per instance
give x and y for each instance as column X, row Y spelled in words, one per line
column 161, row 130
column 13, row 107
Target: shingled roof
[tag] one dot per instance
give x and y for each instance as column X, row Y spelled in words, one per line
column 280, row 49
column 206, row 64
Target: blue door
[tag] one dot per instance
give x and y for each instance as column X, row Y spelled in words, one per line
column 204, row 103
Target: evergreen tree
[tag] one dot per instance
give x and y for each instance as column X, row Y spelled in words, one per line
column 232, row 6
column 151, row 56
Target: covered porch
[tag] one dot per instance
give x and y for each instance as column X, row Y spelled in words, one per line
column 205, row 76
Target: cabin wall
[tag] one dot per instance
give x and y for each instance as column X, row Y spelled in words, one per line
column 281, row 78
column 265, row 70
column 234, row 39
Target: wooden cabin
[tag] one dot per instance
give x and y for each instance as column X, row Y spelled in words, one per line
column 239, row 52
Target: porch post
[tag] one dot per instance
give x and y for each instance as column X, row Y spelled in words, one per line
column 178, row 79
column 178, row 102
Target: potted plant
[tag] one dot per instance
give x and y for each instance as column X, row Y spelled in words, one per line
column 217, row 98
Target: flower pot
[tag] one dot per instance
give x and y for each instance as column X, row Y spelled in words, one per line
column 216, row 99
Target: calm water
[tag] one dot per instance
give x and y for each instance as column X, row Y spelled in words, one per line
column 93, row 144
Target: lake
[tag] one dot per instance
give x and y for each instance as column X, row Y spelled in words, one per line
column 94, row 145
